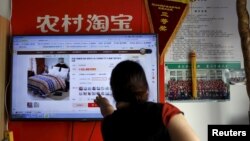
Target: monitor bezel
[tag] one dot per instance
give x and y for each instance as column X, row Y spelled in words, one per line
column 11, row 115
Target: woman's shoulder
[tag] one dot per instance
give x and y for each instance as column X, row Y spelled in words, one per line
column 168, row 111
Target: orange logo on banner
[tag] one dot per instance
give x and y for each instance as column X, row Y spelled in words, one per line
column 165, row 18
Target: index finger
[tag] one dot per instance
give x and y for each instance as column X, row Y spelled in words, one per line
column 99, row 95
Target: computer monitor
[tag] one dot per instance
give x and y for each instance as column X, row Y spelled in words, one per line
column 57, row 77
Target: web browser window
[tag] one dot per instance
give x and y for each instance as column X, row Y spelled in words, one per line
column 59, row 76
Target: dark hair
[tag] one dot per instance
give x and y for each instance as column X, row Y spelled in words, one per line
column 128, row 82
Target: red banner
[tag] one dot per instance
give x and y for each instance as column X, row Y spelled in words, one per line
column 77, row 16
column 72, row 17
column 165, row 18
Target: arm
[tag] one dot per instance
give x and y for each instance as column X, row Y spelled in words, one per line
column 180, row 130
column 105, row 107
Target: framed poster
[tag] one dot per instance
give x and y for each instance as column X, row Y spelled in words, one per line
column 213, row 35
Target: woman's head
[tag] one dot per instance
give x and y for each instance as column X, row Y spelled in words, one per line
column 128, row 82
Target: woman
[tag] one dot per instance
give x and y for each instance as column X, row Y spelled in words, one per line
column 136, row 119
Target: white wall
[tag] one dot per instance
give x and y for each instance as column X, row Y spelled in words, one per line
column 201, row 114
column 5, row 8
column 234, row 111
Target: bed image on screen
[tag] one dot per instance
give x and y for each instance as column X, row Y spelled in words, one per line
column 57, row 77
column 48, row 78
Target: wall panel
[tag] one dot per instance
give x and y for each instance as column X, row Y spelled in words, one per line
column 4, row 28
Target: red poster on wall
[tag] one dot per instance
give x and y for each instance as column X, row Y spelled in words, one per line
column 165, row 18
column 72, row 17
column 78, row 16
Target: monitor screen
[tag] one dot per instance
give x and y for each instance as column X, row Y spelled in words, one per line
column 57, row 77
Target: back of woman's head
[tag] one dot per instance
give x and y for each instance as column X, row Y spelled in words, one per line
column 128, row 82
